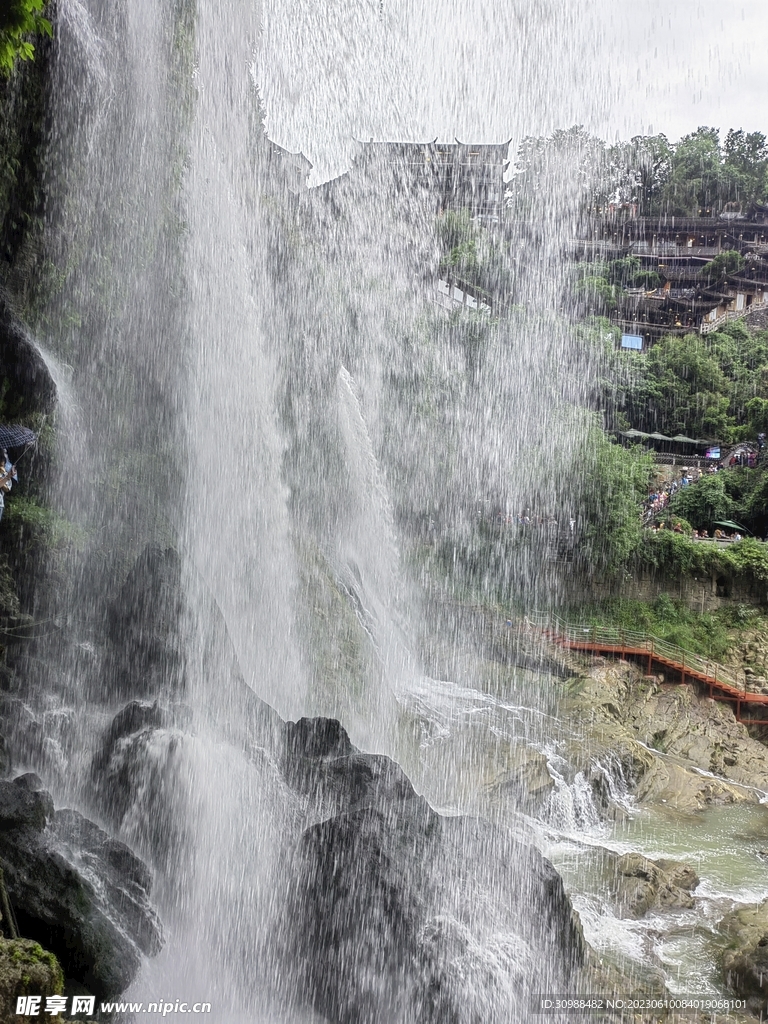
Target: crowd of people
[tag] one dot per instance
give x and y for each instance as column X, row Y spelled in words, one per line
column 658, row 499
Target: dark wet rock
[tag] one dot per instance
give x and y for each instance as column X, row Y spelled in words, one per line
column 391, row 903
column 745, row 960
column 641, row 884
column 138, row 767
column 316, row 738
column 74, row 890
column 24, row 804
column 122, row 879
column 143, row 625
column 390, row 912
column 22, row 365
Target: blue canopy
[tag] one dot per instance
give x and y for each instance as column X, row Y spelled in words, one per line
column 16, row 437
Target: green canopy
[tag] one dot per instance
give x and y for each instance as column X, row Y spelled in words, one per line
column 684, row 440
column 734, row 526
column 660, row 437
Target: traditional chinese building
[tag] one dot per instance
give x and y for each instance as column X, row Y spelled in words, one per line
column 676, row 250
column 461, row 176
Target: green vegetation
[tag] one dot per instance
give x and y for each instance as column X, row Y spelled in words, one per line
column 470, row 253
column 710, row 634
column 725, row 263
column 699, row 175
column 30, row 519
column 713, row 386
column 19, row 20
column 615, row 481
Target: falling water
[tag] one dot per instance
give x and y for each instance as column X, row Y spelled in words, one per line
column 273, row 412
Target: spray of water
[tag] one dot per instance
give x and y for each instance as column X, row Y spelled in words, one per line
column 283, row 430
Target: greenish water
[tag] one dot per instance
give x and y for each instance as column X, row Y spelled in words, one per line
column 724, row 846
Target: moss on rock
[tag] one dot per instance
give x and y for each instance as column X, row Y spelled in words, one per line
column 26, row 969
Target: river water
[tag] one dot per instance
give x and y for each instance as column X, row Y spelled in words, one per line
column 460, row 741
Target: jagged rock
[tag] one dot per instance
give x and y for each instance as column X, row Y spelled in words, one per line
column 74, row 890
column 22, row 365
column 630, row 713
column 138, row 765
column 641, row 884
column 26, row 969
column 122, row 880
column 745, row 960
column 526, row 783
column 391, row 902
column 25, row 804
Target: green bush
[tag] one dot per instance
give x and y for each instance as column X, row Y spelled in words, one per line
column 707, row 634
column 19, row 20
column 704, row 503
column 24, row 514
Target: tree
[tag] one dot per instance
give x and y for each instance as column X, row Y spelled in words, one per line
column 724, row 264
column 705, row 503
column 695, row 181
column 746, row 165
column 615, row 481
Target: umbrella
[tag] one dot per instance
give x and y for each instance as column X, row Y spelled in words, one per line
column 683, row 439
column 16, row 437
column 734, row 526
column 660, row 437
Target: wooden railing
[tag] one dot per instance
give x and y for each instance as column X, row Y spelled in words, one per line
column 635, row 642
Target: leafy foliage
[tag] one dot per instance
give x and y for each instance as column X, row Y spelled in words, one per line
column 711, row 387
column 615, row 481
column 710, row 634
column 698, row 175
column 725, row 263
column 705, row 503
column 19, row 20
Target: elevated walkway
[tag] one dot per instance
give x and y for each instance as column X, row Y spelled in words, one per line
column 722, row 683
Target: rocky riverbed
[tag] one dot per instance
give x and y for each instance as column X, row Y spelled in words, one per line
column 684, row 756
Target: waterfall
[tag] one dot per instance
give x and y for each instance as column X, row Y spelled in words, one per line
column 281, row 442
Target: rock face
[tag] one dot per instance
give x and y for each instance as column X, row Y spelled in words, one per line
column 662, row 734
column 392, row 905
column 745, row 960
column 641, row 884
column 143, row 624
column 22, row 365
column 75, row 890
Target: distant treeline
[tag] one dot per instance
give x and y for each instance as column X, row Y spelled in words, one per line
column 698, row 176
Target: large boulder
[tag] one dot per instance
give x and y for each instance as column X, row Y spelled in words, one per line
column 26, row 969
column 641, row 884
column 394, row 907
column 745, row 959
column 144, row 627
column 74, row 890
column 22, row 365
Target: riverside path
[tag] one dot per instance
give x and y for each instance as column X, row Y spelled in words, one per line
column 721, row 682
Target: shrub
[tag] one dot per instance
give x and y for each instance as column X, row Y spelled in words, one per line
column 20, row 19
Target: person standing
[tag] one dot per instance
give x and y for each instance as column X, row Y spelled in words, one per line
column 6, row 480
